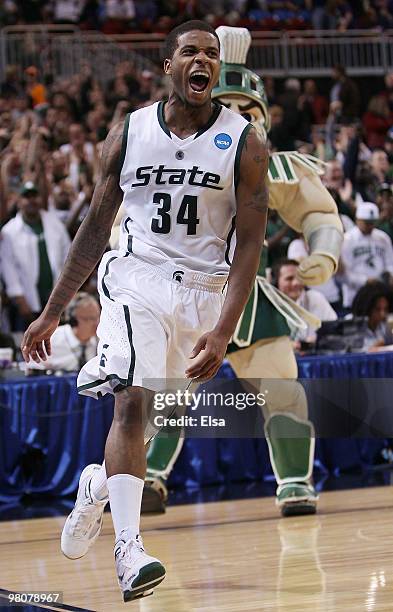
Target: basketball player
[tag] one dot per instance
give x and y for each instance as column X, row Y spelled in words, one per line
column 184, row 169
column 261, row 344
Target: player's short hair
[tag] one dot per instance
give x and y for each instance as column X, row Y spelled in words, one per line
column 195, row 24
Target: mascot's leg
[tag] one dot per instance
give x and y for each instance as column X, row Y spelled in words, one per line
column 289, row 433
column 163, row 451
column 291, row 448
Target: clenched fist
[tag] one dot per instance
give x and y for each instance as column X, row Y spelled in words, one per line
column 315, row 269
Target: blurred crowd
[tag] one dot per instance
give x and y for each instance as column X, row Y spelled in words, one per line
column 358, row 150
column 51, row 133
column 125, row 16
column 50, row 142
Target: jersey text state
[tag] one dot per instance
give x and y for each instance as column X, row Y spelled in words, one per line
column 161, row 175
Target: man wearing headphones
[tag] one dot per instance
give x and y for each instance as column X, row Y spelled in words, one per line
column 74, row 343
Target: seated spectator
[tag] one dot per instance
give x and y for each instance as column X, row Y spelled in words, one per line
column 374, row 301
column 298, row 250
column 120, row 9
column 385, row 205
column 377, row 121
column 338, row 15
column 367, row 253
column 380, row 166
column 38, row 242
column 318, row 14
column 118, row 15
column 74, row 343
column 66, row 11
column 284, row 273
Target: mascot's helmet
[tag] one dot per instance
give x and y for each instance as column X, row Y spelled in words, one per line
column 236, row 81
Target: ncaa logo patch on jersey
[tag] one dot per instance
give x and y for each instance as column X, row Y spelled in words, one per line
column 223, row 141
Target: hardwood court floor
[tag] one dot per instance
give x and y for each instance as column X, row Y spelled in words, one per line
column 226, row 556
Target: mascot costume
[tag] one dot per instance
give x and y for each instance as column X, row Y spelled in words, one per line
column 261, row 346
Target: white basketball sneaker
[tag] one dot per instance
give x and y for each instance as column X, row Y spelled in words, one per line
column 83, row 525
column 137, row 572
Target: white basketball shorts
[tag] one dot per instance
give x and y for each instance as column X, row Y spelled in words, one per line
column 151, row 319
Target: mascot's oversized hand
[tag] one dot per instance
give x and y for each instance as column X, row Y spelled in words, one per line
column 315, row 269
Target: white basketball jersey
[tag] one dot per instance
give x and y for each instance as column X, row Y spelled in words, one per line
column 179, row 195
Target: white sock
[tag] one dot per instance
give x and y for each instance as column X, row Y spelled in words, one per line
column 98, row 485
column 125, row 497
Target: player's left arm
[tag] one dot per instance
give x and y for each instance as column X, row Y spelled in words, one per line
column 252, row 198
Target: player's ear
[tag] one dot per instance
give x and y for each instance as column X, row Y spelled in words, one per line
column 167, row 66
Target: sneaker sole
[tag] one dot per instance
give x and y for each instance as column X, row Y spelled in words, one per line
column 149, row 577
column 298, row 509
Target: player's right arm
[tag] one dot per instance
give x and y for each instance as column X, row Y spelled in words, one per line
column 87, row 248
column 252, row 198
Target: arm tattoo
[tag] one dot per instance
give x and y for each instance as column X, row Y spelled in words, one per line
column 259, row 200
column 93, row 235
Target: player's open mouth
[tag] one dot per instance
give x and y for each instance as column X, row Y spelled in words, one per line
column 199, row 80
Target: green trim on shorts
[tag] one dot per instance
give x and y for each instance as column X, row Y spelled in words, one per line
column 129, row 332
column 104, row 287
column 123, row 382
column 98, row 382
